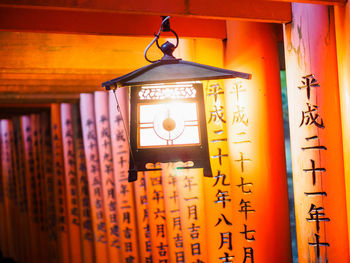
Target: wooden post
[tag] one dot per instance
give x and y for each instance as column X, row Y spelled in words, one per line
column 60, row 190
column 157, row 220
column 256, row 145
column 30, row 189
column 107, row 172
column 88, row 124
column 193, row 218
column 124, row 190
column 218, row 197
column 71, row 183
column 141, row 205
column 39, row 175
column 172, row 212
column 7, row 180
column 21, row 189
column 49, row 182
column 86, row 230
column 3, row 219
column 342, row 32
column 316, row 141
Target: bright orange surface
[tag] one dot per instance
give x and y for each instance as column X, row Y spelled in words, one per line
column 256, row 143
column 342, row 30
column 310, row 49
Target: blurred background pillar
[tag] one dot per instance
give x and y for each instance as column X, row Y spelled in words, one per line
column 256, row 144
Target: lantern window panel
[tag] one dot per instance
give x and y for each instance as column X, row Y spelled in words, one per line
column 173, row 124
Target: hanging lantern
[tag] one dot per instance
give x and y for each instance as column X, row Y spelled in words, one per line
column 167, row 111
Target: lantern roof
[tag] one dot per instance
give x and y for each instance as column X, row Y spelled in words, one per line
column 169, row 69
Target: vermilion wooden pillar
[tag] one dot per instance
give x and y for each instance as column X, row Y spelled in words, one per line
column 218, row 191
column 316, row 136
column 342, row 32
column 256, row 145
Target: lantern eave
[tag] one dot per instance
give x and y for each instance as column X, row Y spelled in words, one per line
column 173, row 70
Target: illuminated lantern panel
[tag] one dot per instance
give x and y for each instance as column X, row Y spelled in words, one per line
column 168, row 124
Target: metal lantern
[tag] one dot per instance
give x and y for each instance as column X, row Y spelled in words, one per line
column 167, row 110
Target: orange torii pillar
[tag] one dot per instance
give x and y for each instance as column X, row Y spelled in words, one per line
column 315, row 132
column 256, row 145
column 342, row 33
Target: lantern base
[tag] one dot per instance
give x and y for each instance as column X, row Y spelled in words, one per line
column 134, row 169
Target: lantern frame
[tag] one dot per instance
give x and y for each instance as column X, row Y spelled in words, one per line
column 169, row 70
column 198, row 153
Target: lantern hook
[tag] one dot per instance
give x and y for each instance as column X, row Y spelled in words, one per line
column 167, row 48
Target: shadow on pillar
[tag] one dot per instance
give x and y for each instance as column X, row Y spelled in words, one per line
column 289, row 167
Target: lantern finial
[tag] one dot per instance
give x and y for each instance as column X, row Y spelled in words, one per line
column 167, row 48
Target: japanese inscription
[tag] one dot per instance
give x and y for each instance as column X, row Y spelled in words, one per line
column 240, row 123
column 172, row 211
column 191, row 220
column 93, row 175
column 70, row 165
column 316, row 215
column 220, row 184
column 107, row 174
column 124, row 190
column 143, row 218
column 156, row 208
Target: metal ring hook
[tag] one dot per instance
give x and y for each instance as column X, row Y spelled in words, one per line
column 157, row 37
column 177, row 39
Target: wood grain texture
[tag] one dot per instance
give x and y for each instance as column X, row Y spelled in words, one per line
column 311, row 49
column 342, row 31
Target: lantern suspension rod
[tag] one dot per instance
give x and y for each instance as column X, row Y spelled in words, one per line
column 164, row 27
column 125, row 129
